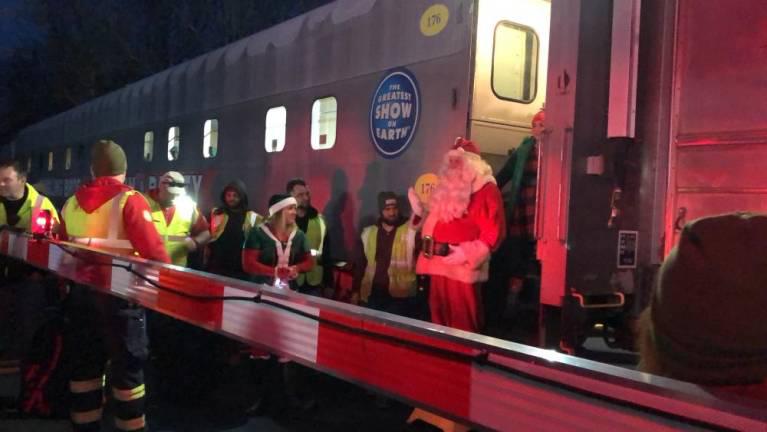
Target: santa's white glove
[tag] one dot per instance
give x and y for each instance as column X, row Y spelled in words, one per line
column 415, row 202
column 457, row 256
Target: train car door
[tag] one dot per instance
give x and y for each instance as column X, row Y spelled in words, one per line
column 511, row 52
column 718, row 144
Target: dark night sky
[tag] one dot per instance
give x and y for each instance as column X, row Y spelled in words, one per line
column 13, row 29
column 7, row 25
column 46, row 57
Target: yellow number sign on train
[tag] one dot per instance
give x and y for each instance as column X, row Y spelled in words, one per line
column 434, row 19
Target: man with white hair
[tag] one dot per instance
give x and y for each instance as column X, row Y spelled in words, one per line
column 464, row 223
column 175, row 215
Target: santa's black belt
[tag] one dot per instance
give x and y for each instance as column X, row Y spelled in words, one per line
column 431, row 248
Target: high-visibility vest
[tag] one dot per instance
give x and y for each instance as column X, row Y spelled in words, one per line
column 315, row 236
column 103, row 228
column 402, row 280
column 218, row 223
column 30, row 209
column 174, row 234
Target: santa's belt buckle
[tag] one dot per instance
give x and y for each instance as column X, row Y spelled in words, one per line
column 428, row 246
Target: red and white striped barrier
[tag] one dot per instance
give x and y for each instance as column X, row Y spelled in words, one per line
column 473, row 379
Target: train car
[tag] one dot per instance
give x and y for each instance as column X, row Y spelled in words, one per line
column 652, row 119
column 342, row 96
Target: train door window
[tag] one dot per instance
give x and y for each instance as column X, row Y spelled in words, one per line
column 515, row 62
column 50, row 161
column 68, row 159
column 274, row 135
column 29, row 163
column 324, row 115
column 174, row 143
column 210, row 139
column 148, row 146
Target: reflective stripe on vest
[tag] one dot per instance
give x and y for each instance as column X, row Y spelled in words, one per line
column 103, row 228
column 402, row 280
column 174, row 234
column 315, row 236
column 102, row 243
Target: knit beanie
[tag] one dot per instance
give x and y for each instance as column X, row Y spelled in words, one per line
column 108, row 159
column 707, row 306
column 383, row 197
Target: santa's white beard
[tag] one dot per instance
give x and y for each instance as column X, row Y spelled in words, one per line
column 451, row 197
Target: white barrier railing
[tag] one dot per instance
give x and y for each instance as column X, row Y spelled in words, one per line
column 473, row 379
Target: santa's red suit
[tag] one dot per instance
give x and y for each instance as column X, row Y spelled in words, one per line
column 465, row 222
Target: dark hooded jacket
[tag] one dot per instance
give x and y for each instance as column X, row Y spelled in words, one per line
column 226, row 251
column 239, row 187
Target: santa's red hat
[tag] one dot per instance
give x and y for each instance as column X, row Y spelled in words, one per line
column 466, row 145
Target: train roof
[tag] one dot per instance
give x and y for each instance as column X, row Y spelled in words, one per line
column 341, row 40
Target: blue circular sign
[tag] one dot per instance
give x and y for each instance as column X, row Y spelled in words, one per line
column 394, row 113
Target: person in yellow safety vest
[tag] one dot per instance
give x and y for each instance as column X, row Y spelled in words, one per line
column 107, row 214
column 311, row 222
column 183, row 230
column 20, row 204
column 385, row 272
column 178, row 221
column 229, row 226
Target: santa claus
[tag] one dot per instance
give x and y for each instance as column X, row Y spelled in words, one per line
column 464, row 222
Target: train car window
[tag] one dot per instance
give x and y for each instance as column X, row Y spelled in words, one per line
column 515, row 62
column 148, row 146
column 40, row 161
column 324, row 115
column 68, row 159
column 174, row 143
column 50, row 161
column 274, row 135
column 210, row 139
column 29, row 164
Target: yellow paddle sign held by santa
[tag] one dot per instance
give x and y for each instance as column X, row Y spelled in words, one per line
column 424, row 185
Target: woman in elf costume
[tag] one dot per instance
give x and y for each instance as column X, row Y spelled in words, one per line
column 277, row 251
